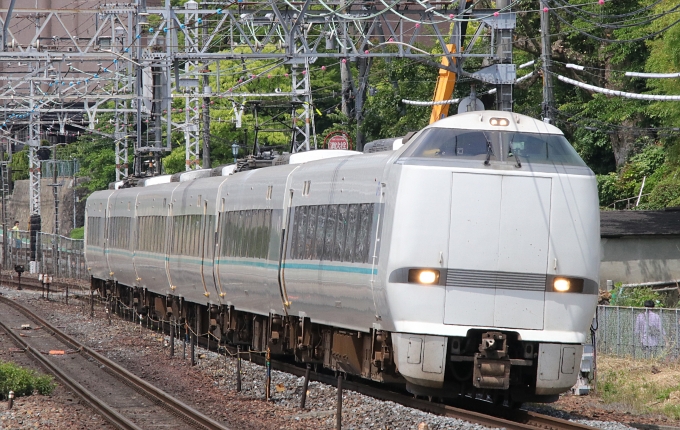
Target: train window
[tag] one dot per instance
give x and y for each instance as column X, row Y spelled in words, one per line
column 250, row 233
column 184, row 236
column 311, row 233
column 209, row 237
column 140, row 229
column 363, row 238
column 227, row 241
column 320, row 231
column 243, row 233
column 331, row 215
column 181, row 240
column 253, row 246
column 197, row 230
column 255, row 242
column 94, row 231
column 238, row 231
column 160, row 243
column 506, row 146
column 352, row 221
column 292, row 230
column 301, row 231
column 331, row 232
column 340, row 229
column 119, row 232
column 266, row 232
column 453, row 143
column 541, row 149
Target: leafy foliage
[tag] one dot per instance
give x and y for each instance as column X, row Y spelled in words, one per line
column 636, row 297
column 649, row 164
column 19, row 165
column 23, row 381
column 623, row 141
column 78, row 233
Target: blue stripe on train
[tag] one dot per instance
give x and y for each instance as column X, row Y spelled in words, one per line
column 261, row 264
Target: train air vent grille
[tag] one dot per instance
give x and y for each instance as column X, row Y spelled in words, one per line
column 491, row 279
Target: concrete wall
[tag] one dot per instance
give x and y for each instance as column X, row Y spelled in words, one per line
column 639, row 259
column 18, row 208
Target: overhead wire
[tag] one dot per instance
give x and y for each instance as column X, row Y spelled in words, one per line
column 602, row 39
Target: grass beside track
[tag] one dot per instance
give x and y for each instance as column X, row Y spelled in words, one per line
column 23, row 381
column 644, row 386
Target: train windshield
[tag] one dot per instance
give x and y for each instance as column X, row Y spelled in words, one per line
column 508, row 146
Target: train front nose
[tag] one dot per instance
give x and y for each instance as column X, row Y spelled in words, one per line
column 498, row 251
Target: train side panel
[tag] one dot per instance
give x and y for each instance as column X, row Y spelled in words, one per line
column 332, row 252
column 95, row 239
column 121, row 235
column 153, row 231
column 250, row 230
column 194, row 214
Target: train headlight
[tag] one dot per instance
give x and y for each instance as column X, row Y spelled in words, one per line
column 561, row 284
column 503, row 122
column 423, row 276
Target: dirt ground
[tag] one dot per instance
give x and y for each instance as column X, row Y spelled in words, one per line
column 628, row 391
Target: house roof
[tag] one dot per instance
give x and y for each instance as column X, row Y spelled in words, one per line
column 638, row 223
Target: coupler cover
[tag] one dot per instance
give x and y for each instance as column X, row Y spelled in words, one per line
column 491, row 373
column 492, row 365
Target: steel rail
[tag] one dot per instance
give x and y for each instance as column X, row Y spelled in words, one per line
column 479, row 412
column 176, row 406
column 90, row 399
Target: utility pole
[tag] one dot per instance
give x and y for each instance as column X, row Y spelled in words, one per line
column 55, row 193
column 363, row 65
column 548, row 100
column 345, row 74
column 206, row 90
column 504, row 55
column 3, row 175
column 139, row 16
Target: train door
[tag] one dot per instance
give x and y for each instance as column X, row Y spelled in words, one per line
column 498, row 250
column 208, row 249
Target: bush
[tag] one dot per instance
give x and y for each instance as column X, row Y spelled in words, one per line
column 23, row 381
column 636, row 297
column 666, row 193
column 78, row 233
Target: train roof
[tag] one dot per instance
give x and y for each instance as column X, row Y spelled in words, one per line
column 482, row 120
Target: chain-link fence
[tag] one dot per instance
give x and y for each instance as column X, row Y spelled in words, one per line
column 65, row 168
column 638, row 332
column 57, row 255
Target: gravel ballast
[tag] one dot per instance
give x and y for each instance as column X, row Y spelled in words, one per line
column 210, row 386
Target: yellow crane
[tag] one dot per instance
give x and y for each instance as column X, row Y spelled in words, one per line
column 446, row 82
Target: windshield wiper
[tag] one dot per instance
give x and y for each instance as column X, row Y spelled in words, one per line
column 489, row 152
column 518, row 163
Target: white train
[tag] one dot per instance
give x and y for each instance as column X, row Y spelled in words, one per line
column 465, row 261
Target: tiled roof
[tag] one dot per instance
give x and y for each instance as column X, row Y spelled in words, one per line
column 636, row 223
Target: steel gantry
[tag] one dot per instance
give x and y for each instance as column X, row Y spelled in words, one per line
column 130, row 58
column 191, row 86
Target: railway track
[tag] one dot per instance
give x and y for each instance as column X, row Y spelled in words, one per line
column 125, row 400
column 475, row 411
column 31, row 283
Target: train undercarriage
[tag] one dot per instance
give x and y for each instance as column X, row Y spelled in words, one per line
column 494, row 365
